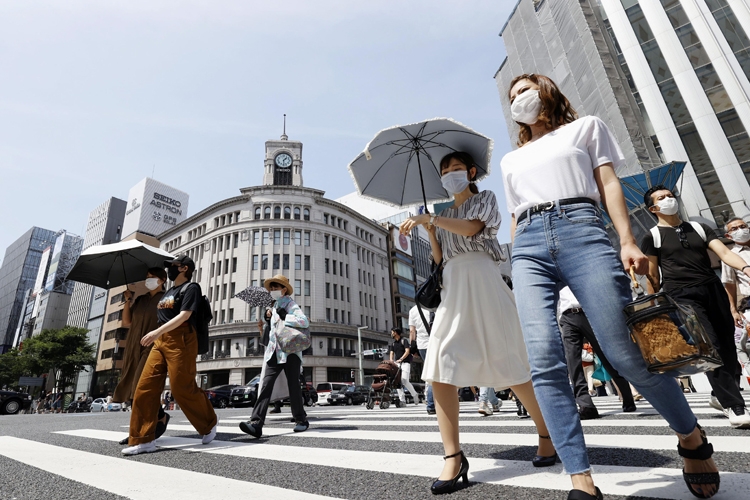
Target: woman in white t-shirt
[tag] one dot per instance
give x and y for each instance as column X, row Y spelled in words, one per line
column 562, row 170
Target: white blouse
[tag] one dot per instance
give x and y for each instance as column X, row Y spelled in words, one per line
column 559, row 165
column 482, row 206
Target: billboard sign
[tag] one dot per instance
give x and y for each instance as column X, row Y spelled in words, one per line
column 54, row 262
column 154, row 207
column 42, row 274
column 400, row 241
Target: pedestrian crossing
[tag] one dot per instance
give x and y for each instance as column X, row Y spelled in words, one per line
column 632, row 454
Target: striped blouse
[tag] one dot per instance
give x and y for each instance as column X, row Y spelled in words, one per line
column 482, row 206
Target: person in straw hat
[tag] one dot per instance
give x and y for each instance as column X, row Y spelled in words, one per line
column 284, row 310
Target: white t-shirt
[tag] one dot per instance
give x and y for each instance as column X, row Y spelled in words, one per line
column 559, row 165
column 415, row 320
column 567, row 301
column 730, row 275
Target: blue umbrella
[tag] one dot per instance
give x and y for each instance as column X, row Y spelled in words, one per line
column 634, row 187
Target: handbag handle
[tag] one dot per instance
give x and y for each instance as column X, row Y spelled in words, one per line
column 636, row 286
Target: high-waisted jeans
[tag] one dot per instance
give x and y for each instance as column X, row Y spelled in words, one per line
column 569, row 246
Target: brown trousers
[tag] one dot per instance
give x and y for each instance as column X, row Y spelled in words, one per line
column 173, row 354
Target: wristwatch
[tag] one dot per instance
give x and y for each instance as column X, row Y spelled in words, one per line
column 433, row 218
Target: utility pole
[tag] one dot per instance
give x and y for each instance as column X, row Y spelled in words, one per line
column 359, row 354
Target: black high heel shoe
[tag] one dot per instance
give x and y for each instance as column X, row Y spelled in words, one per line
column 582, row 495
column 540, row 461
column 450, row 485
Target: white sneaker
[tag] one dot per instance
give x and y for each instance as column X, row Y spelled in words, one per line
column 498, row 405
column 140, row 448
column 211, row 435
column 485, row 409
column 714, row 403
column 738, row 417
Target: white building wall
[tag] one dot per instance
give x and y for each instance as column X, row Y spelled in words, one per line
column 722, row 157
column 183, row 239
column 692, row 195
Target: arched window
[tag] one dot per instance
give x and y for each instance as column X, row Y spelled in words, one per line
column 267, row 213
column 257, row 212
column 307, row 214
column 296, row 213
column 287, row 213
column 277, row 212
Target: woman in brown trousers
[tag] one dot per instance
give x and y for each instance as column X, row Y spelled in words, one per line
column 140, row 317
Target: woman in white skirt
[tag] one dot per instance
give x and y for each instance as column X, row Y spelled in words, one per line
column 476, row 337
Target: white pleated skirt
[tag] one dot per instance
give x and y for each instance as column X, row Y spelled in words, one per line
column 476, row 337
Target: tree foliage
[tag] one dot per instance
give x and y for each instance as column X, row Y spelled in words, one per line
column 13, row 365
column 65, row 352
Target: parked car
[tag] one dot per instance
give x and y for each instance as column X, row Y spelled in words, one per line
column 419, row 387
column 324, row 389
column 245, row 395
column 350, row 395
column 97, row 405
column 465, row 394
column 309, row 395
column 220, row 395
column 12, row 402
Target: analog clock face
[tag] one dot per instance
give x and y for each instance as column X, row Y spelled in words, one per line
column 284, row 160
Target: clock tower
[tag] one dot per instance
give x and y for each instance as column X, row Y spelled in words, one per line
column 283, row 162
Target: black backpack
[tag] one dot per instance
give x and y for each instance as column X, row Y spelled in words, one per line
column 201, row 318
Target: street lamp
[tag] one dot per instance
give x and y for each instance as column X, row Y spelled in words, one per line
column 359, row 354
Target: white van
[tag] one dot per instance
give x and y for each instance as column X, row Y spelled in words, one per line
column 324, row 390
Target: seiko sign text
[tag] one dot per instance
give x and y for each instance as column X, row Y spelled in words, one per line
column 166, row 203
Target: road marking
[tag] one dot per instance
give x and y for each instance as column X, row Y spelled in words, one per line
column 487, row 422
column 136, row 480
column 633, row 441
column 614, row 480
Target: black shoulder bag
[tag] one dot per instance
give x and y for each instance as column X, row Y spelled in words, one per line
column 428, row 295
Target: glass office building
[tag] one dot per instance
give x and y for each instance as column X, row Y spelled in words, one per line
column 674, row 72
column 17, row 276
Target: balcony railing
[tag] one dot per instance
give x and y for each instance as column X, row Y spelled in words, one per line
column 349, row 352
column 335, row 352
column 223, row 354
column 252, row 351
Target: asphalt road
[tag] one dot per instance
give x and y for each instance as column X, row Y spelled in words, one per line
column 350, row 452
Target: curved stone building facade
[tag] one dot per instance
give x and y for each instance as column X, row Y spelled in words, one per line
column 335, row 258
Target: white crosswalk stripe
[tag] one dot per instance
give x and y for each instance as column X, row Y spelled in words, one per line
column 342, row 438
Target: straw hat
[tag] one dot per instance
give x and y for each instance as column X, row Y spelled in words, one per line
column 281, row 280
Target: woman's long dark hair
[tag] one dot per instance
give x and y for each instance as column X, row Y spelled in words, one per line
column 464, row 158
column 556, row 109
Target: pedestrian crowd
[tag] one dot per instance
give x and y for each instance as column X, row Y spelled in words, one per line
column 562, row 335
column 553, row 338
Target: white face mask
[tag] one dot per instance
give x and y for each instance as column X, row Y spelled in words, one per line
column 276, row 294
column 526, row 107
column 668, row 206
column 152, row 283
column 740, row 235
column 455, row 182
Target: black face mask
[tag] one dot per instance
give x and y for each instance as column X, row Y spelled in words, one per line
column 173, row 272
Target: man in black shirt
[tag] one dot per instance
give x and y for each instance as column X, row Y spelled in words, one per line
column 175, row 349
column 400, row 352
column 680, row 249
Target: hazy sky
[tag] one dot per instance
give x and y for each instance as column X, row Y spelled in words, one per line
column 94, row 95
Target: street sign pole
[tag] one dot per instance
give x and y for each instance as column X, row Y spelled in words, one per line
column 359, row 354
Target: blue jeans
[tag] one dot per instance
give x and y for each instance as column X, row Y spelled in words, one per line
column 569, row 246
column 487, row 395
column 430, row 401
